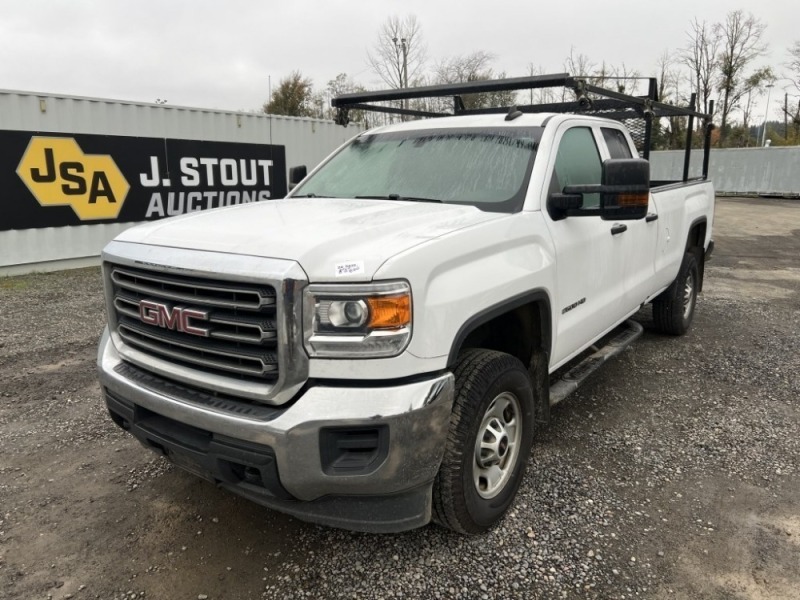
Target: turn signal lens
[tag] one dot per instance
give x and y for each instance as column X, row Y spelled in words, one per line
column 633, row 199
column 389, row 312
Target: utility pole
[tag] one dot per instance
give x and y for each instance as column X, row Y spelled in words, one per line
column 402, row 46
column 405, row 62
column 766, row 115
column 786, row 116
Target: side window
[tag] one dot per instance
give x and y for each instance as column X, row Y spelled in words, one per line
column 617, row 144
column 578, row 162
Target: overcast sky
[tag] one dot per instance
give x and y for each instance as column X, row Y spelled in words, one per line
column 221, row 54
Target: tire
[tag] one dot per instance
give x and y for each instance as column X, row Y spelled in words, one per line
column 673, row 310
column 479, row 476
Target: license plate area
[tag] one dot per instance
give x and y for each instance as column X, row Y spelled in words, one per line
column 188, row 463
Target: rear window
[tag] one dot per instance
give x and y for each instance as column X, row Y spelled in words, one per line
column 617, row 143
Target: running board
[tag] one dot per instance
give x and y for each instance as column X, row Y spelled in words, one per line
column 569, row 382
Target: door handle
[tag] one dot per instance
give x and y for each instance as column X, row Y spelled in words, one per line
column 651, row 217
column 618, row 228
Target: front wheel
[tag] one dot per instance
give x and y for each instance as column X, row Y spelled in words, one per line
column 673, row 310
column 488, row 444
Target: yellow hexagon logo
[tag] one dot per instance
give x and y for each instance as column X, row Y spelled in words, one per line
column 58, row 173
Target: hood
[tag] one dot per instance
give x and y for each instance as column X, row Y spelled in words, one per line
column 333, row 239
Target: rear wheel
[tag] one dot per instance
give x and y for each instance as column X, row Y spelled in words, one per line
column 673, row 310
column 490, row 437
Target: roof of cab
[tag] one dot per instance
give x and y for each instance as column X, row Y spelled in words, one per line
column 485, row 120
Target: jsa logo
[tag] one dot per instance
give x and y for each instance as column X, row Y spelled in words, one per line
column 58, row 173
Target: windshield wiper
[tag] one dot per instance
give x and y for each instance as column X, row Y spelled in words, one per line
column 399, row 197
column 387, row 197
column 312, row 195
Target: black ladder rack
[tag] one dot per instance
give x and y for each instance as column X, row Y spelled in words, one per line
column 588, row 99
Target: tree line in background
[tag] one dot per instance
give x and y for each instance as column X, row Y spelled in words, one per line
column 718, row 62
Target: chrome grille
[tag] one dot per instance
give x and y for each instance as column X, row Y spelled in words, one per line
column 240, row 323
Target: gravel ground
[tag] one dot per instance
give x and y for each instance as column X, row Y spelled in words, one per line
column 672, row 474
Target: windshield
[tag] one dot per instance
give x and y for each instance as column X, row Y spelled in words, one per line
column 485, row 167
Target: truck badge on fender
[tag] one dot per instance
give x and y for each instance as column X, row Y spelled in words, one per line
column 566, row 309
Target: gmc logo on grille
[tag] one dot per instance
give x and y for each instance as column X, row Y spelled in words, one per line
column 177, row 318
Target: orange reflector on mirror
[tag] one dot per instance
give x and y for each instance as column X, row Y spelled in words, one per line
column 633, row 199
column 389, row 312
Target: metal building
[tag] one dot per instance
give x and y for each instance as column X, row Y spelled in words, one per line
column 40, row 135
column 771, row 172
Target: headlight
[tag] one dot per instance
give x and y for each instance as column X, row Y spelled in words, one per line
column 357, row 321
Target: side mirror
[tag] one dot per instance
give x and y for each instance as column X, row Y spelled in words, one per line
column 560, row 204
column 296, row 175
column 625, row 189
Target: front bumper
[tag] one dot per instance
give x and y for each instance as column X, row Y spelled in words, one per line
column 277, row 455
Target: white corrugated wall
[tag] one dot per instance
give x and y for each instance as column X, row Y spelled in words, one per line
column 738, row 171
column 307, row 141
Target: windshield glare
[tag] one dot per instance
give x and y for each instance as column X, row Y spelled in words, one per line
column 487, row 168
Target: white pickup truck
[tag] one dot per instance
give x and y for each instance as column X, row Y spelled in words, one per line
column 373, row 351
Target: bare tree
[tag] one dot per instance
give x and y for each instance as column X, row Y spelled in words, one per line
column 398, row 55
column 579, row 65
column 475, row 66
column 625, row 79
column 794, row 64
column 740, row 36
column 458, row 69
column 668, row 78
column 792, row 114
column 700, row 56
column 669, row 81
column 621, row 79
column 542, row 95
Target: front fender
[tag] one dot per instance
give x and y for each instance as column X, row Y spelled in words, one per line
column 461, row 278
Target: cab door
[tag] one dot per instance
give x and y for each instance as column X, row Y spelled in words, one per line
column 640, row 239
column 590, row 290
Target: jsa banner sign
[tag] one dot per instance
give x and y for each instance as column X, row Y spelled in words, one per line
column 57, row 180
